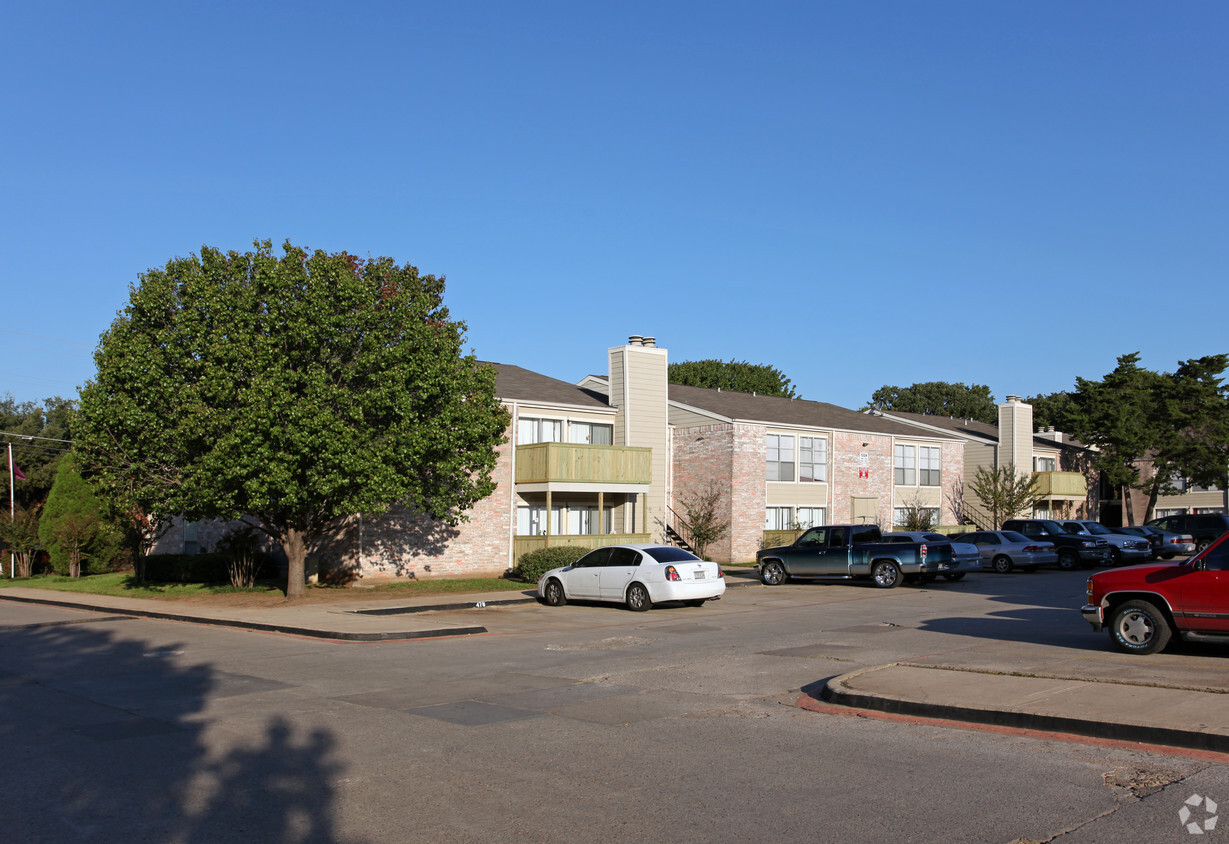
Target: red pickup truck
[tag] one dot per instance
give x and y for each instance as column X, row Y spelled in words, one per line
column 1143, row 606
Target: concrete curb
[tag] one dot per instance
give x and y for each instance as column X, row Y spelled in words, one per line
column 255, row 625
column 838, row 691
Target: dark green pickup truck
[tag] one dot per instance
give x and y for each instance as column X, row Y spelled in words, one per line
column 846, row 552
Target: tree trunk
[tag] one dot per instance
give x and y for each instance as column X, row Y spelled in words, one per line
column 295, row 545
column 1128, row 512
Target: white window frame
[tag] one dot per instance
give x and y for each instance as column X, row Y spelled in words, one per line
column 530, row 521
column 808, row 517
column 1045, row 464
column 583, row 433
column 538, row 429
column 904, row 465
column 778, row 518
column 779, row 450
column 930, row 466
column 813, row 459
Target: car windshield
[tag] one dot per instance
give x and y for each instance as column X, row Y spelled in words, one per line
column 1012, row 536
column 666, row 554
column 1097, row 529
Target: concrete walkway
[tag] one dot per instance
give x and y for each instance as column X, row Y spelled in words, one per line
column 1173, row 706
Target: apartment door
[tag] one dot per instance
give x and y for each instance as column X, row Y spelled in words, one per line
column 864, row 510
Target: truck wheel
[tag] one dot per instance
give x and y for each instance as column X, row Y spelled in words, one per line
column 773, row 573
column 885, row 574
column 1068, row 560
column 1002, row 564
column 1115, row 556
column 956, row 576
column 1138, row 627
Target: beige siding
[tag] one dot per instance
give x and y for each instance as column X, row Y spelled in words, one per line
column 638, row 388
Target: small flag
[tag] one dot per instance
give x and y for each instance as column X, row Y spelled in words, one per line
column 17, row 473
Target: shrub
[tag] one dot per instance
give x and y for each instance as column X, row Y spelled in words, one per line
column 533, row 565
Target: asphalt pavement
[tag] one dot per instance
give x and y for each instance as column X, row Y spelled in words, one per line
column 1163, row 703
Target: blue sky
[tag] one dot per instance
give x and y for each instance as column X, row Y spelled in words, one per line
column 860, row 194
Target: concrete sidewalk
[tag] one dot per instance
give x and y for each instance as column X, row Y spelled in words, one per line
column 1161, row 711
column 1080, row 694
column 361, row 620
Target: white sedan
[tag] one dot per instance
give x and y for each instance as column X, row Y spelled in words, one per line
column 637, row 575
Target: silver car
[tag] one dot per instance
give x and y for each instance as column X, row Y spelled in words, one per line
column 964, row 556
column 1165, row 543
column 1005, row 550
column 1124, row 548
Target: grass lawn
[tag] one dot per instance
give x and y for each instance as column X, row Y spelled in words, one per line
column 122, row 585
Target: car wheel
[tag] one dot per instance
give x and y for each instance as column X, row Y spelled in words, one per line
column 773, row 573
column 1002, row 564
column 1200, row 544
column 1115, row 556
column 954, row 577
column 1138, row 627
column 553, row 595
column 697, row 602
column 885, row 574
column 1068, row 560
column 1168, row 556
column 638, row 598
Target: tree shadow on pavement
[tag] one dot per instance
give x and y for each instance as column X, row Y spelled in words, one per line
column 108, row 738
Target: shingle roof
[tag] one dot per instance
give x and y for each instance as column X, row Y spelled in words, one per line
column 514, row 383
column 774, row 410
column 974, row 429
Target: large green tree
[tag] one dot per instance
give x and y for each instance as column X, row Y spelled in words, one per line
column 292, row 390
column 1051, row 409
column 38, row 434
column 939, row 398
column 1121, row 416
column 737, row 376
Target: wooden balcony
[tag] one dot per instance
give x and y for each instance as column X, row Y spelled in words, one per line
column 522, row 545
column 1051, row 485
column 573, row 463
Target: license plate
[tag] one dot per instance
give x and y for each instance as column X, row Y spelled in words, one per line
column 698, row 576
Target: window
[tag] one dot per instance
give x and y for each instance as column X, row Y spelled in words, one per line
column 906, row 468
column 779, row 518
column 812, row 459
column 190, row 545
column 812, row 516
column 531, row 430
column 1172, row 511
column 531, row 520
column 929, row 467
column 591, row 433
column 780, row 458
column 583, row 520
column 1045, row 464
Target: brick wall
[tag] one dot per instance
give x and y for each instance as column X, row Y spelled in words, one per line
column 848, row 482
column 731, row 457
column 403, row 543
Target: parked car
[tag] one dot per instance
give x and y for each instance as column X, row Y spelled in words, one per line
column 1143, row 607
column 638, row 575
column 964, row 556
column 1165, row 544
column 1124, row 548
column 1006, row 550
column 848, row 552
column 1204, row 527
column 1073, row 551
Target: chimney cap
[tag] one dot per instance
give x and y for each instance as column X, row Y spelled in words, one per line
column 635, row 340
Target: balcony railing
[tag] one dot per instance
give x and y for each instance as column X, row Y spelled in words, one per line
column 1061, row 484
column 542, row 463
column 522, row 545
